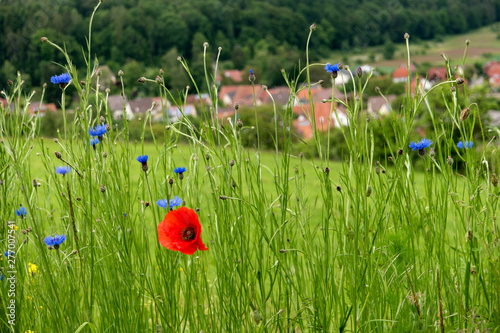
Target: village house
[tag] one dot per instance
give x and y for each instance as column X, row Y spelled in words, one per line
column 380, row 105
column 39, row 108
column 401, row 73
column 242, row 94
column 437, row 74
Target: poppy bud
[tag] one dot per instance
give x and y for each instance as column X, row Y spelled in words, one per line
column 449, row 160
column 161, row 72
column 432, row 153
column 120, row 73
column 24, row 232
column 473, row 269
column 58, row 154
column 103, row 188
column 400, row 151
column 459, row 80
column 78, row 199
column 171, row 181
column 464, row 114
column 10, row 83
column 223, row 197
column 25, row 241
column 108, row 90
column 407, row 35
column 44, row 39
column 312, row 27
column 142, row 79
column 35, row 184
column 376, row 170
column 29, row 229
column 146, row 204
column 383, row 171
column 159, row 80
column 389, row 158
column 99, row 72
column 327, row 170
column 74, row 252
column 236, row 106
column 452, row 89
column 231, row 163
column 340, row 65
column 494, row 179
column 207, row 157
column 239, row 123
column 104, row 154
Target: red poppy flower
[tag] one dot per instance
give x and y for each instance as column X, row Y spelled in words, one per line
column 180, row 230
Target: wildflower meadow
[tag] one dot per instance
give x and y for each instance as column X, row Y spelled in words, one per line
column 193, row 232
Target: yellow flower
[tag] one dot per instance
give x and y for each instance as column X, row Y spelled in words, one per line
column 29, row 331
column 13, row 226
column 32, row 269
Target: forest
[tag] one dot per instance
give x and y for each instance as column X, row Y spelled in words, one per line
column 137, row 36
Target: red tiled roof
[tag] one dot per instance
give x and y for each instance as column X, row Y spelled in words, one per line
column 400, row 72
column 437, row 73
column 234, row 75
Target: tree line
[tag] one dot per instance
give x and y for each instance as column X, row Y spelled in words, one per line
column 267, row 35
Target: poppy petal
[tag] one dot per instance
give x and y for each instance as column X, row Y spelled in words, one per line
column 171, row 231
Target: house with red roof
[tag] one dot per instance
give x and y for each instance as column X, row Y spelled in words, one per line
column 437, row 74
column 401, row 73
column 243, row 95
column 39, row 108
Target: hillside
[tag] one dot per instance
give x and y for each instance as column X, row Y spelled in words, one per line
column 262, row 34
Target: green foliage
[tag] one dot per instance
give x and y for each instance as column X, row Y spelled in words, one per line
column 146, row 30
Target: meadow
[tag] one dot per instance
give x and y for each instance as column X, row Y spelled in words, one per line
column 257, row 241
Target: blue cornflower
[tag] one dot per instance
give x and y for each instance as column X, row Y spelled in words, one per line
column 8, row 253
column 54, row 241
column 332, row 68
column 176, row 201
column 251, row 77
column 163, row 203
column 420, row 146
column 63, row 170
column 94, row 141
column 466, row 144
column 144, row 161
column 98, row 131
column 21, row 212
column 180, row 171
column 1, row 277
column 62, row 79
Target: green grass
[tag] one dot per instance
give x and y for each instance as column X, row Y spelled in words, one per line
column 287, row 251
